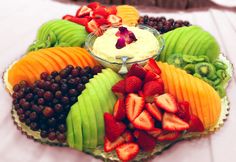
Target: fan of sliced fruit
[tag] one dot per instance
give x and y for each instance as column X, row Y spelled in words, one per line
column 62, row 95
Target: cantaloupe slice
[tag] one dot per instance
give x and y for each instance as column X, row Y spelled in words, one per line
column 204, row 100
column 129, row 14
column 48, row 60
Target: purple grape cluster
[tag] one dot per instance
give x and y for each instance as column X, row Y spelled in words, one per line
column 162, row 24
column 44, row 105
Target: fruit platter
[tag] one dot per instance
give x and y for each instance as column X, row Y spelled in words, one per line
column 119, row 86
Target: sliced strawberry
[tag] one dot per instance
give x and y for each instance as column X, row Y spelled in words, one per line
column 134, row 106
column 152, row 66
column 110, row 146
column 101, row 21
column 100, row 12
column 154, row 111
column 137, row 70
column 119, row 110
column 166, row 102
column 112, row 10
column 127, row 151
column 145, row 141
column 83, row 11
column 114, row 20
column 113, row 129
column 152, row 89
column 128, row 136
column 195, row 124
column 168, row 136
column 155, row 132
column 133, row 84
column 119, row 88
column 67, row 17
column 151, row 76
column 171, row 122
column 144, row 121
column 92, row 26
column 81, row 21
column 183, row 111
column 94, row 5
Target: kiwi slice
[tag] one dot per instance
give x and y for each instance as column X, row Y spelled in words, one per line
column 213, row 77
column 190, row 68
column 220, row 65
column 205, row 69
column 217, row 82
column 221, row 91
column 188, row 58
column 208, row 81
column 176, row 59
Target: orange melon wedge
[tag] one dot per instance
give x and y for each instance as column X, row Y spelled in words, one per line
column 203, row 99
column 129, row 14
column 30, row 66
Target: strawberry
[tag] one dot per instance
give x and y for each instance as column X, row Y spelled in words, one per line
column 119, row 110
column 167, row 102
column 145, row 141
column 171, row 122
column 168, row 136
column 94, row 5
column 81, row 21
column 112, row 10
column 101, row 21
column 152, row 66
column 183, row 111
column 114, row 20
column 140, row 93
column 110, row 146
column 136, row 70
column 134, row 106
column 119, row 88
column 67, row 17
column 155, row 132
column 100, row 12
column 154, row 111
column 133, row 84
column 113, row 129
column 144, row 121
column 127, row 151
column 151, row 76
column 128, row 136
column 151, row 89
column 83, row 11
column 195, row 124
column 92, row 26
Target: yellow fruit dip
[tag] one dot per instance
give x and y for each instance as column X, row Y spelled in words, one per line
column 146, row 45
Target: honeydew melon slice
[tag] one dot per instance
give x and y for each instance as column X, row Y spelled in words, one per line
column 70, row 131
column 163, row 53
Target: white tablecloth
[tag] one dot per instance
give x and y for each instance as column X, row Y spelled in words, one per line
column 19, row 21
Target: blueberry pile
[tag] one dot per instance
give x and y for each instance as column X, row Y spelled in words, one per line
column 162, row 24
column 44, row 105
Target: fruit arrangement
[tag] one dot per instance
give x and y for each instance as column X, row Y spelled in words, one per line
column 63, row 96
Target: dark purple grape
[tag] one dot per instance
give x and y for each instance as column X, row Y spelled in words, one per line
column 41, row 101
column 55, row 101
column 84, row 79
column 44, row 75
column 75, row 72
column 71, row 82
column 61, row 117
column 58, row 108
column 61, row 138
column 16, row 88
column 47, row 85
column 44, row 134
column 54, row 74
column 72, row 92
column 48, row 112
column 29, row 97
column 22, row 101
column 22, row 117
column 65, row 100
column 63, row 73
column 26, row 105
column 62, row 128
column 80, row 88
column 54, row 87
column 23, row 84
column 58, row 79
column 48, row 96
column 34, row 126
column 73, row 99
column 33, row 116
column 58, row 94
column 77, row 80
column 52, row 136
column 27, row 121
column 52, row 122
column 40, row 92
column 64, row 88
column 17, row 106
column 15, row 95
column 27, row 113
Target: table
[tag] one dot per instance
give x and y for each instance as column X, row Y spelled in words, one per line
column 19, row 21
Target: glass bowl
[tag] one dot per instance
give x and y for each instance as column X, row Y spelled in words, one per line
column 121, row 65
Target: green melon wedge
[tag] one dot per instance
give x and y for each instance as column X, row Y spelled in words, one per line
column 70, row 131
column 77, row 126
column 163, row 52
column 185, row 38
column 177, row 33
